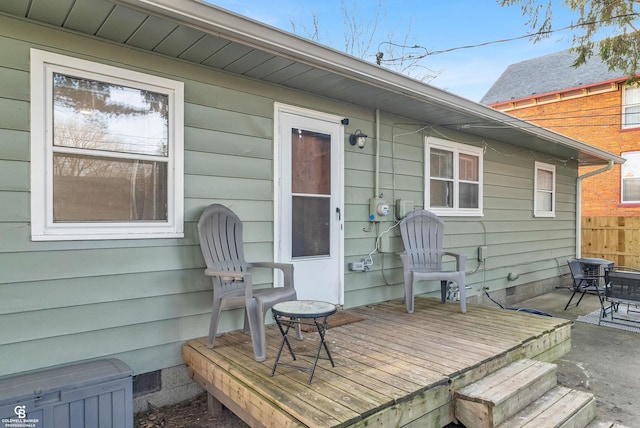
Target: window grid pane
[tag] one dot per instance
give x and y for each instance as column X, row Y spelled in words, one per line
column 469, row 195
column 441, row 194
column 630, row 172
column 468, row 166
column 631, row 190
column 92, row 189
column 631, row 107
column 93, row 115
column 441, row 164
column 545, row 180
column 544, row 201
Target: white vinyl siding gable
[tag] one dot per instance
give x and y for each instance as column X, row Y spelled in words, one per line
column 106, row 151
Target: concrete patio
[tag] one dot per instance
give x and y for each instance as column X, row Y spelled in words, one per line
column 602, row 360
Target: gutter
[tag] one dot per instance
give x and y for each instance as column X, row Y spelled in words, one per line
column 579, row 204
column 211, row 19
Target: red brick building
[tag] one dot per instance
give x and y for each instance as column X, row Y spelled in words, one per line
column 588, row 103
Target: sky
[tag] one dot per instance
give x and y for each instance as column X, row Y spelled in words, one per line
column 434, row 24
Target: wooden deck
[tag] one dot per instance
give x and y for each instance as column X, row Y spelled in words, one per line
column 392, row 368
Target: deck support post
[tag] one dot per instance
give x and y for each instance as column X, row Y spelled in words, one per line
column 214, row 406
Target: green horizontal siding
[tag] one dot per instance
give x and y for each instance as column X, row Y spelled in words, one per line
column 15, row 206
column 14, row 114
column 14, row 176
column 139, row 300
column 78, row 291
column 61, row 349
column 535, row 248
column 71, row 320
column 201, row 141
column 14, row 144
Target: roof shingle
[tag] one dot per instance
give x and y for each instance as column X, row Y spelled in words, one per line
column 545, row 74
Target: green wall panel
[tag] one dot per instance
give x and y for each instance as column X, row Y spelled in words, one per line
column 15, row 207
column 14, row 114
column 14, row 176
column 14, row 145
column 17, row 84
column 55, row 350
column 225, row 143
column 198, row 186
column 227, row 166
column 141, row 299
column 199, row 116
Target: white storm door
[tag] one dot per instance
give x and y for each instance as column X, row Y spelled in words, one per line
column 310, row 214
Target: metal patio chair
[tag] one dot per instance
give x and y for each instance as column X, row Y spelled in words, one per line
column 623, row 287
column 220, row 233
column 585, row 282
column 422, row 232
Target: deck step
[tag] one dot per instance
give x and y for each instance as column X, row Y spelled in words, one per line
column 560, row 407
column 495, row 398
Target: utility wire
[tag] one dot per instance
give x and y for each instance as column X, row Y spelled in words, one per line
column 567, row 115
column 542, row 33
column 615, row 121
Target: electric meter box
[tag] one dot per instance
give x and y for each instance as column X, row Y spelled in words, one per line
column 86, row 394
column 378, row 208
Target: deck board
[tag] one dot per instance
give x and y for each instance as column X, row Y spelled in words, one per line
column 392, row 368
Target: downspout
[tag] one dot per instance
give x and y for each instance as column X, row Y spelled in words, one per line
column 377, row 178
column 579, row 204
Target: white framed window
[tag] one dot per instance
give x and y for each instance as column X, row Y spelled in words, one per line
column 544, row 204
column 106, row 151
column 453, row 175
column 630, row 178
column 630, row 106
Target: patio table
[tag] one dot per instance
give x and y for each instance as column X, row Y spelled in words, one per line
column 304, row 312
column 595, row 267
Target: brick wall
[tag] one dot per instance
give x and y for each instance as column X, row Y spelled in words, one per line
column 594, row 119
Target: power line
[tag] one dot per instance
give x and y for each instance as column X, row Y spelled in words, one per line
column 542, row 33
column 615, row 121
column 578, row 114
column 564, row 117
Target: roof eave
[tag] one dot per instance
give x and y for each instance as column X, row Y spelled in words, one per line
column 214, row 20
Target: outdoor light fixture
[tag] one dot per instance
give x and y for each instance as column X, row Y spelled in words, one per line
column 358, row 138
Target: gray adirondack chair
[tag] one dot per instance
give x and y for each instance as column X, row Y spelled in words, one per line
column 220, row 233
column 422, row 232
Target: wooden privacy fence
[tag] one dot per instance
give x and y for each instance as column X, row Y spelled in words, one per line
column 612, row 238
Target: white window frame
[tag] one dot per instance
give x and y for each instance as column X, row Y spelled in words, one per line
column 630, row 91
column 624, row 168
column 43, row 228
column 538, row 211
column 456, row 149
